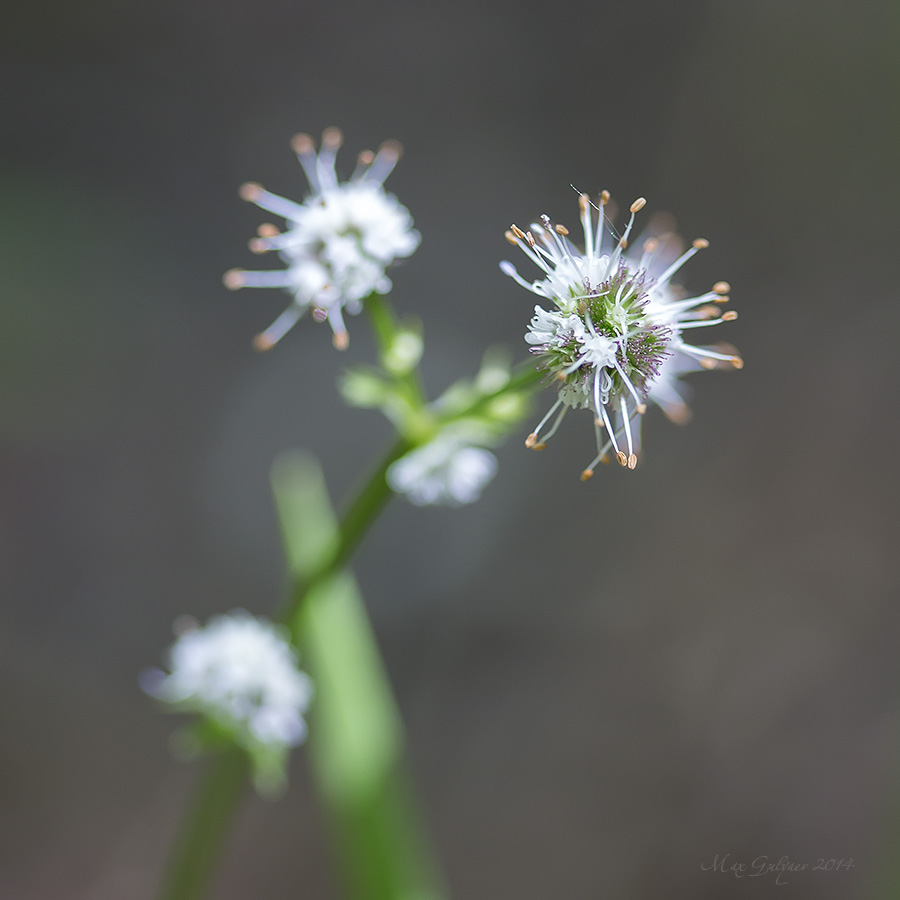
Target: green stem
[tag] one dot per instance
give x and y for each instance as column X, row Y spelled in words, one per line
column 202, row 833
column 356, row 521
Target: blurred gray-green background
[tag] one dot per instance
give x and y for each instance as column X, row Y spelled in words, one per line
column 604, row 685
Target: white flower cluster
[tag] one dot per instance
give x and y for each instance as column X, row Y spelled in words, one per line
column 447, row 471
column 337, row 243
column 614, row 335
column 242, row 672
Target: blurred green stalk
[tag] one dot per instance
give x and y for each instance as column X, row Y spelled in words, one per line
column 356, row 740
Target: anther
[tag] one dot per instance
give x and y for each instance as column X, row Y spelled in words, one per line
column 650, row 245
column 267, row 230
column 531, row 440
column 257, row 245
column 622, row 459
column 641, row 408
column 709, row 311
column 250, row 191
column 332, row 138
column 604, row 198
column 584, row 202
column 623, row 243
column 638, row 204
column 302, row 144
column 722, row 298
column 517, row 232
column 510, row 237
column 632, row 461
column 730, row 315
column 341, row 340
column 262, row 342
column 392, row 148
column 587, row 474
column 737, row 362
column 722, row 287
column 233, row 279
column 700, row 244
column 561, row 229
column 366, row 158
column 561, row 376
column 530, row 238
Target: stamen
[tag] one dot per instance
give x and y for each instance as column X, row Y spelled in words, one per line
column 622, row 459
column 722, row 287
column 601, row 223
column 340, row 338
column 628, row 384
column 561, row 229
column 233, row 279
column 267, row 339
column 363, row 160
column 507, row 268
column 623, row 241
column 609, row 431
column 331, row 142
column 305, row 148
column 584, row 204
column 281, row 206
column 511, row 238
column 626, row 419
column 389, row 154
column 730, row 315
column 664, row 278
column 250, row 191
column 556, row 424
column 278, row 278
column 532, row 438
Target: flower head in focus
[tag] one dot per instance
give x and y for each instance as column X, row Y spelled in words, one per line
column 336, row 244
column 612, row 329
column 450, row 470
column 242, row 674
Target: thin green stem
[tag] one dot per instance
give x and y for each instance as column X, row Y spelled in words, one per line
column 356, row 521
column 202, row 832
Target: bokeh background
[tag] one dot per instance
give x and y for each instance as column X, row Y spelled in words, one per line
column 604, row 685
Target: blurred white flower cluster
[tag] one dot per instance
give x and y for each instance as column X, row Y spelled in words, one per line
column 447, row 471
column 336, row 244
column 613, row 336
column 242, row 673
